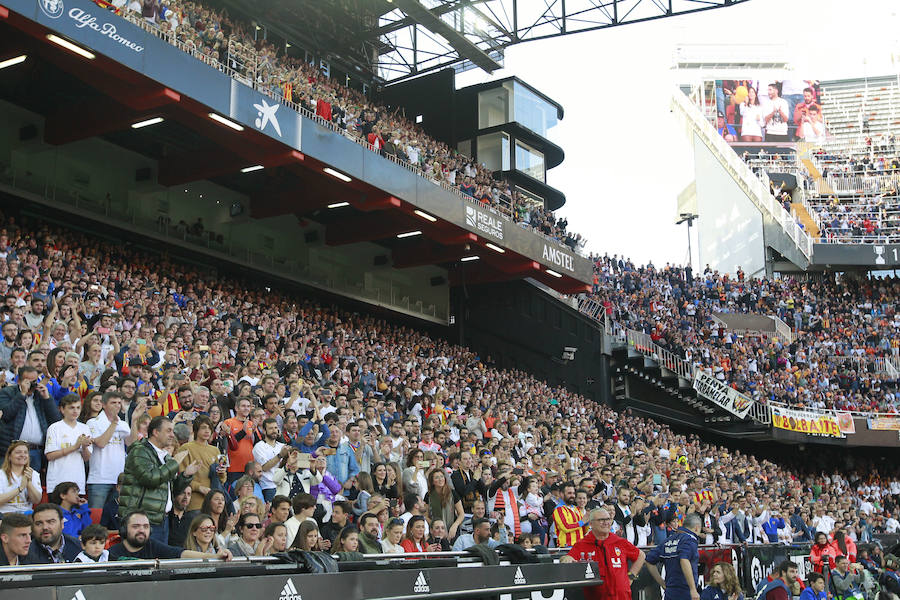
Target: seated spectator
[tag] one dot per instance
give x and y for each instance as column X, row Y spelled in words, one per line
column 49, row 543
column 201, row 537
column 481, row 534
column 137, row 544
column 180, row 517
column 307, row 537
column 214, row 506
column 347, row 540
column 15, row 539
column 93, row 543
column 723, row 584
column 393, row 537
column 416, row 539
column 76, row 514
column 20, row 485
column 369, row 531
column 274, row 539
column 249, row 530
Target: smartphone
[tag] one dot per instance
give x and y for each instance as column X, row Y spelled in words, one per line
column 518, row 471
column 204, row 348
column 303, row 460
column 424, row 464
column 657, row 479
column 141, row 342
column 103, row 330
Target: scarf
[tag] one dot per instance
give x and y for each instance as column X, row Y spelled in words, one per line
column 439, row 510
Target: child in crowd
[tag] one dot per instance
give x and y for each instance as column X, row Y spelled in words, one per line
column 93, row 544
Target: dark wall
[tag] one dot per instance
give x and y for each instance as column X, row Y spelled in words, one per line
column 520, row 327
column 431, row 96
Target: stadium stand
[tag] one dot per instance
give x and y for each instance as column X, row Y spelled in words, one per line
column 226, row 44
column 374, row 403
column 842, row 354
column 858, row 108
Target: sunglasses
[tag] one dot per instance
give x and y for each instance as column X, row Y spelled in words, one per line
column 253, row 525
column 207, row 528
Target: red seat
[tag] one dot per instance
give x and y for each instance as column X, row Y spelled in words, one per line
column 96, row 513
column 44, row 496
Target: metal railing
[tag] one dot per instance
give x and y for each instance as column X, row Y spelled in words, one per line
column 503, row 208
column 752, row 184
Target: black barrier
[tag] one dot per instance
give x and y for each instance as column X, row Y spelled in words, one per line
column 202, row 581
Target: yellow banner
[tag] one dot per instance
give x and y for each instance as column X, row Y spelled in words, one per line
column 885, row 423
column 803, row 422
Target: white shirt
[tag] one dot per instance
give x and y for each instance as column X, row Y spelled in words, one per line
column 71, row 466
column 20, row 502
column 109, row 461
column 823, row 524
column 892, row 525
column 263, row 453
column 163, row 455
column 31, row 429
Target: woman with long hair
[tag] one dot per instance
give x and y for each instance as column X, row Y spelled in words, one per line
column 415, row 540
column 366, row 488
column 414, row 475
column 215, row 505
column 381, row 481
column 443, row 502
column 347, row 540
column 20, row 485
column 201, row 536
column 723, row 584
column 751, row 117
column 393, row 536
column 844, row 546
column 93, row 406
column 307, row 537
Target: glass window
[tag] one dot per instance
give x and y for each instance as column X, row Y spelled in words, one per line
column 493, row 151
column 532, row 111
column 529, row 161
column 494, row 106
column 465, row 148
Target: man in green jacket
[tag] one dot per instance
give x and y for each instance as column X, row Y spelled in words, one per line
column 150, row 474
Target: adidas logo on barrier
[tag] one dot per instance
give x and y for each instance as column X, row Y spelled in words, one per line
column 519, row 579
column 589, row 572
column 289, row 592
column 79, row 595
column 421, row 586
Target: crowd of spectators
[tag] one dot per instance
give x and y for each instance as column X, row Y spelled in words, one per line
column 839, row 328
column 222, row 41
column 204, row 416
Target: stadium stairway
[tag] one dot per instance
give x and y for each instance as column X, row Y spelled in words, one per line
column 805, row 219
column 644, row 385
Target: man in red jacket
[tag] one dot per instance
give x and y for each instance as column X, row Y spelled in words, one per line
column 612, row 554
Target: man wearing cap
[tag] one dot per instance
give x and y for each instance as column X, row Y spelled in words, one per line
column 612, row 555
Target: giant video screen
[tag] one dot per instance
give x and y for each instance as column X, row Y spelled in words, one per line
column 781, row 111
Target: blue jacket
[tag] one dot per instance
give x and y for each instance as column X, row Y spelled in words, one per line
column 12, row 403
column 76, row 519
column 39, row 555
column 683, row 543
column 809, row 594
column 342, row 464
column 771, row 528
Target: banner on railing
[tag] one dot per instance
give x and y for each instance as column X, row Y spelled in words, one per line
column 884, row 423
column 727, row 397
column 804, row 422
column 846, row 424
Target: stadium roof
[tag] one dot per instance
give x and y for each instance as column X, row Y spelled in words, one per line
column 396, row 39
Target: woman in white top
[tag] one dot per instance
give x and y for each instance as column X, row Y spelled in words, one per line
column 393, row 535
column 751, row 117
column 20, row 485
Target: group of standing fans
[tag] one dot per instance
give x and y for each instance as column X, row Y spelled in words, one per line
column 839, row 327
column 167, row 412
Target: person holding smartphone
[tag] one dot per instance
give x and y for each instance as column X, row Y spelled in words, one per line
column 26, row 411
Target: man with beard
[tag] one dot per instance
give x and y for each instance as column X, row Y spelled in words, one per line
column 49, row 544
column 137, row 544
column 568, row 518
column 10, row 331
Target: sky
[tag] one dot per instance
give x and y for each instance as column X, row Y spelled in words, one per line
column 627, row 158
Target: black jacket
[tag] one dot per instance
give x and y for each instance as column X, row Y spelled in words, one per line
column 468, row 492
column 639, row 520
column 39, row 555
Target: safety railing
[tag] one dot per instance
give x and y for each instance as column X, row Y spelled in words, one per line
column 858, row 184
column 644, row 344
column 503, row 208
